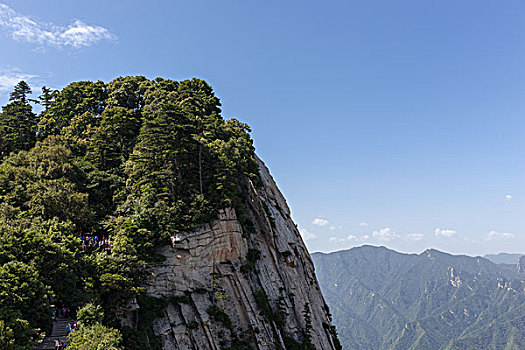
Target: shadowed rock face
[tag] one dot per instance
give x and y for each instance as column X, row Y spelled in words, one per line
column 246, row 277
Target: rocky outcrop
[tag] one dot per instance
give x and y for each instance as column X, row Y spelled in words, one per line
column 244, row 281
column 521, row 264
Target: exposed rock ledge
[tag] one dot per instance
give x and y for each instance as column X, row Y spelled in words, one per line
column 203, row 269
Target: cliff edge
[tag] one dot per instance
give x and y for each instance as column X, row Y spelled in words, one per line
column 244, row 281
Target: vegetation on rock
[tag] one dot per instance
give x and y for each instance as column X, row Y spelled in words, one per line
column 133, row 160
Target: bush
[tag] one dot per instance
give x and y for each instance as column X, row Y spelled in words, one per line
column 95, row 337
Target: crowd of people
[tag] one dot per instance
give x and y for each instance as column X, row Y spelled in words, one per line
column 96, row 242
column 63, row 342
column 63, row 312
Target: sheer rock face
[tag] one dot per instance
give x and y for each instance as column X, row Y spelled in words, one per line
column 202, row 274
column 521, row 264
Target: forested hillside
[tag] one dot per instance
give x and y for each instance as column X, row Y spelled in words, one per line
column 127, row 163
column 382, row 299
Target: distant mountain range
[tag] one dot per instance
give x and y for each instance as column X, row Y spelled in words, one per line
column 503, row 258
column 382, row 299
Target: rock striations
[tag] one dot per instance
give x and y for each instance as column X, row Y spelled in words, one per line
column 244, row 281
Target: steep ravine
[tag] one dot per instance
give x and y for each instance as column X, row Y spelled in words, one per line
column 243, row 281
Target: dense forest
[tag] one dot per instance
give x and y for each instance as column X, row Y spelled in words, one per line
column 382, row 299
column 130, row 162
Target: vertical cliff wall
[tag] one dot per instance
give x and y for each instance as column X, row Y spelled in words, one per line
column 244, row 281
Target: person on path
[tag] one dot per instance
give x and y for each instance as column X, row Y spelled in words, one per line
column 57, row 344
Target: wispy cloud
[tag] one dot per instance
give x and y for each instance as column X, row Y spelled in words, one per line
column 508, row 197
column 363, row 224
column 443, row 232
column 9, row 78
column 26, row 29
column 307, row 235
column 495, row 235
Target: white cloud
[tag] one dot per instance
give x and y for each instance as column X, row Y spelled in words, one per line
column 385, row 234
column 364, row 224
column 324, row 222
column 442, row 232
column 494, row 235
column 8, row 79
column 307, row 235
column 321, row 222
column 351, row 238
column 24, row 28
column 332, row 239
column 414, row 236
column 508, row 197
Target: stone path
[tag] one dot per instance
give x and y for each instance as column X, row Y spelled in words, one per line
column 59, row 331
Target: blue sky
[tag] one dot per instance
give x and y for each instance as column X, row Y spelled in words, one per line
column 388, row 123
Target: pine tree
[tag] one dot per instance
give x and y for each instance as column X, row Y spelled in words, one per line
column 20, row 92
column 47, row 97
column 17, row 122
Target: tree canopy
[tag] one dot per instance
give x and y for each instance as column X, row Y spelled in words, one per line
column 134, row 160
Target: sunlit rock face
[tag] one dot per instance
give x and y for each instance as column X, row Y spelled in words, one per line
column 246, row 278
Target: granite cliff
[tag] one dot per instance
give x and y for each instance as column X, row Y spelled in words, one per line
column 138, row 207
column 241, row 282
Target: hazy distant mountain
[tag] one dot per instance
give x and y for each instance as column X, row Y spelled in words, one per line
column 503, row 258
column 382, row 299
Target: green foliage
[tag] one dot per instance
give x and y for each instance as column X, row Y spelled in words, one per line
column 217, row 314
column 7, row 338
column 333, row 333
column 219, row 292
column 261, row 299
column 252, row 257
column 308, row 328
column 75, row 99
column 182, row 299
column 20, row 92
column 17, row 122
column 114, row 138
column 136, row 160
column 90, row 314
column 24, row 301
column 95, row 337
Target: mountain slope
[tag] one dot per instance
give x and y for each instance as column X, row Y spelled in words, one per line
column 503, row 258
column 382, row 299
column 138, row 207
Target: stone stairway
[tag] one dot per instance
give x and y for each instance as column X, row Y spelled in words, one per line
column 59, row 331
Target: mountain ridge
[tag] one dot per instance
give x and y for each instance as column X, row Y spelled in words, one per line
column 383, row 299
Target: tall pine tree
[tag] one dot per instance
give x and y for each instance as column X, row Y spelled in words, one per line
column 17, row 122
